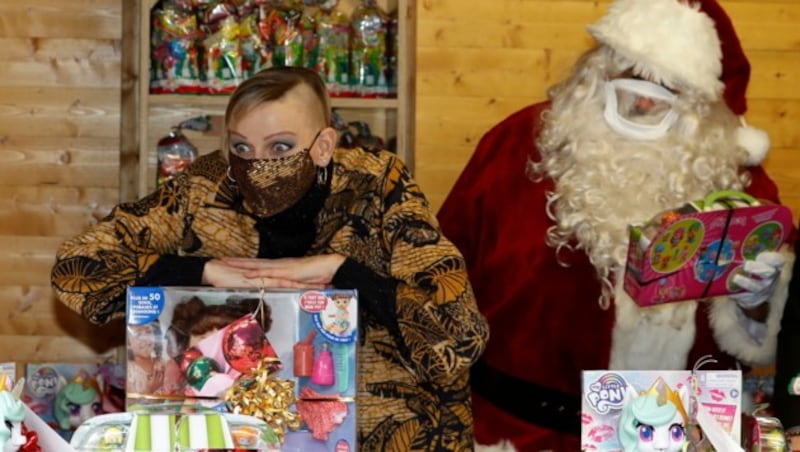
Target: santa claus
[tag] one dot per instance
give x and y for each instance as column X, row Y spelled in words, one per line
column 648, row 120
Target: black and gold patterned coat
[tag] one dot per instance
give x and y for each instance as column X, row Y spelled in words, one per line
column 413, row 391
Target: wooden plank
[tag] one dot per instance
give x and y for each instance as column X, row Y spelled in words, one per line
column 768, row 25
column 532, row 34
column 775, row 75
column 779, row 117
column 61, row 73
column 508, row 72
column 49, row 210
column 50, row 49
column 26, row 262
column 36, row 321
column 48, row 219
column 59, row 112
column 75, row 176
column 576, row 11
column 97, row 19
column 70, row 162
column 540, row 32
column 129, row 101
column 526, row 73
column 61, row 348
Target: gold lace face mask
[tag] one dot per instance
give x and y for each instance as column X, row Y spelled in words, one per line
column 270, row 186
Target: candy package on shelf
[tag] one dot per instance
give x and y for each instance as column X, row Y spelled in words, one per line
column 283, row 26
column 287, row 357
column 331, row 58
column 695, row 250
column 222, row 62
column 369, row 51
column 174, row 35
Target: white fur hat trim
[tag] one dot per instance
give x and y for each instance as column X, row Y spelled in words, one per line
column 669, row 42
column 755, row 141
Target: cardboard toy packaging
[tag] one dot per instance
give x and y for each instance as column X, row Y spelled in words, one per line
column 659, row 410
column 695, row 251
column 287, row 354
column 65, row 394
column 24, row 430
column 156, row 430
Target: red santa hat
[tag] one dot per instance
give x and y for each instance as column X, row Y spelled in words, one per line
column 685, row 44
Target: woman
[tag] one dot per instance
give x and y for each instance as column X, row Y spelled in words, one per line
column 282, row 207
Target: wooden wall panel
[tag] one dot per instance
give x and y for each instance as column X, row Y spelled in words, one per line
column 478, row 62
column 59, row 161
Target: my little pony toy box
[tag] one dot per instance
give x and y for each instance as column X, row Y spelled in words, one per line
column 659, row 410
column 695, row 251
column 286, row 356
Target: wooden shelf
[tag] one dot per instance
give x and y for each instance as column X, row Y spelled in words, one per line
column 148, row 117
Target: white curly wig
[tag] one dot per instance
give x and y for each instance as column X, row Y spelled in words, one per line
column 605, row 182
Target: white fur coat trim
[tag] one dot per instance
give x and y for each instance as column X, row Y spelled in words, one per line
column 651, row 338
column 733, row 339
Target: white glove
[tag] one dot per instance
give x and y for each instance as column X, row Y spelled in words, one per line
column 758, row 279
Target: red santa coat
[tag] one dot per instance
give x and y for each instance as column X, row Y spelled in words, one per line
column 546, row 324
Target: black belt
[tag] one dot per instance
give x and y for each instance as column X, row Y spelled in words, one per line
column 532, row 403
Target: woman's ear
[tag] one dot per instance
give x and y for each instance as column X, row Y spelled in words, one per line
column 326, row 144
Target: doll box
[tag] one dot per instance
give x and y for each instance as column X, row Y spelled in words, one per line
column 206, row 346
column 612, row 400
column 696, row 255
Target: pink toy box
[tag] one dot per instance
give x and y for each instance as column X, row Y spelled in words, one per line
column 695, row 251
column 659, row 410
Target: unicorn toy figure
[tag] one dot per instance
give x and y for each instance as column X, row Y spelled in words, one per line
column 656, row 420
column 77, row 401
column 12, row 412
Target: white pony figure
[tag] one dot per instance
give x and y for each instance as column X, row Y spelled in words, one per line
column 12, row 412
column 655, row 420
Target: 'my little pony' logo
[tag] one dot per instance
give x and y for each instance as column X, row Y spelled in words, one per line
column 607, row 393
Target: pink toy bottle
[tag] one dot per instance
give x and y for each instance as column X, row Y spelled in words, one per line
column 323, row 372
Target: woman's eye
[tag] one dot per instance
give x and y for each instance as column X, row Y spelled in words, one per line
column 240, row 148
column 281, row 147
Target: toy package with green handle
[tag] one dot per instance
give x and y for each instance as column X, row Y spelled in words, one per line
column 694, row 251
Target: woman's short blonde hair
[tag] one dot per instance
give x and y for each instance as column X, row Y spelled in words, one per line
column 272, row 84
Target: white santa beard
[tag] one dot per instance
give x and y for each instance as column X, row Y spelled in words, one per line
column 614, row 182
column 611, row 183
